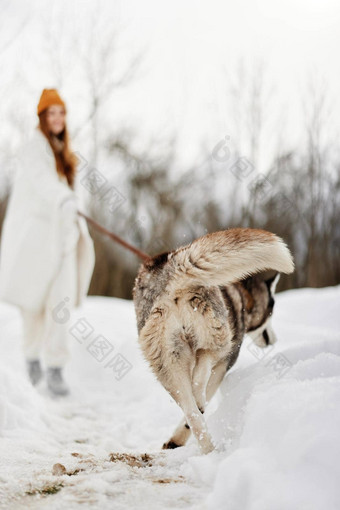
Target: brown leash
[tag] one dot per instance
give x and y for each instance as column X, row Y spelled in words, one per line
column 113, row 236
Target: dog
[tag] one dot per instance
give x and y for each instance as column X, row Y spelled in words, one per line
column 193, row 307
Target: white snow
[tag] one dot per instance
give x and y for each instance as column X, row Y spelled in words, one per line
column 275, row 422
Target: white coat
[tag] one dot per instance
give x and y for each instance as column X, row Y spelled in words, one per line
column 33, row 233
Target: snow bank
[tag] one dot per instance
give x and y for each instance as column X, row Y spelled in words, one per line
column 21, row 407
column 279, row 426
column 19, row 402
column 275, row 421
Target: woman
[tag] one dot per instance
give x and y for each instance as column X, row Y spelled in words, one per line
column 47, row 255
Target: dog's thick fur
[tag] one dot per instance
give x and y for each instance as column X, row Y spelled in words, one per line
column 193, row 307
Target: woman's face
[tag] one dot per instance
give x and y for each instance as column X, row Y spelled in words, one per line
column 55, row 118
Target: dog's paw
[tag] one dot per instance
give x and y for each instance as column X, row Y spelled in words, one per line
column 170, row 445
column 267, row 337
column 260, row 342
column 207, row 449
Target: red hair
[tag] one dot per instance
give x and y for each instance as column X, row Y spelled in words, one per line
column 66, row 161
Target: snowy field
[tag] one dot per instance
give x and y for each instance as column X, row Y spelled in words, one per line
column 275, row 421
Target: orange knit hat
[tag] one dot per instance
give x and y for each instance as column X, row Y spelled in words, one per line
column 48, row 98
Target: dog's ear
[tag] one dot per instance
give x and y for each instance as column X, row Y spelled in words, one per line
column 272, row 282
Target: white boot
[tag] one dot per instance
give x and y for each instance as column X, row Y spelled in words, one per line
column 55, row 382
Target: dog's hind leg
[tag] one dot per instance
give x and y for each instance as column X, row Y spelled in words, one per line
column 201, row 377
column 182, row 432
column 180, row 388
column 180, row 435
column 195, row 420
column 216, row 378
column 171, row 356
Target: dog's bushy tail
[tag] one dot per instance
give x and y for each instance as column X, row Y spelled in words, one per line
column 225, row 257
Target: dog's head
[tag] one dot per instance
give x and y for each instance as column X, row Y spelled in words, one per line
column 260, row 304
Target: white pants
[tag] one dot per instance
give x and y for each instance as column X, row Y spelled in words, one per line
column 46, row 333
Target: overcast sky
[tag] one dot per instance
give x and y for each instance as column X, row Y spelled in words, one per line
column 191, row 48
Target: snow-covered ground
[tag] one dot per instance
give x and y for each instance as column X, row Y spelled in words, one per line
column 276, row 420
